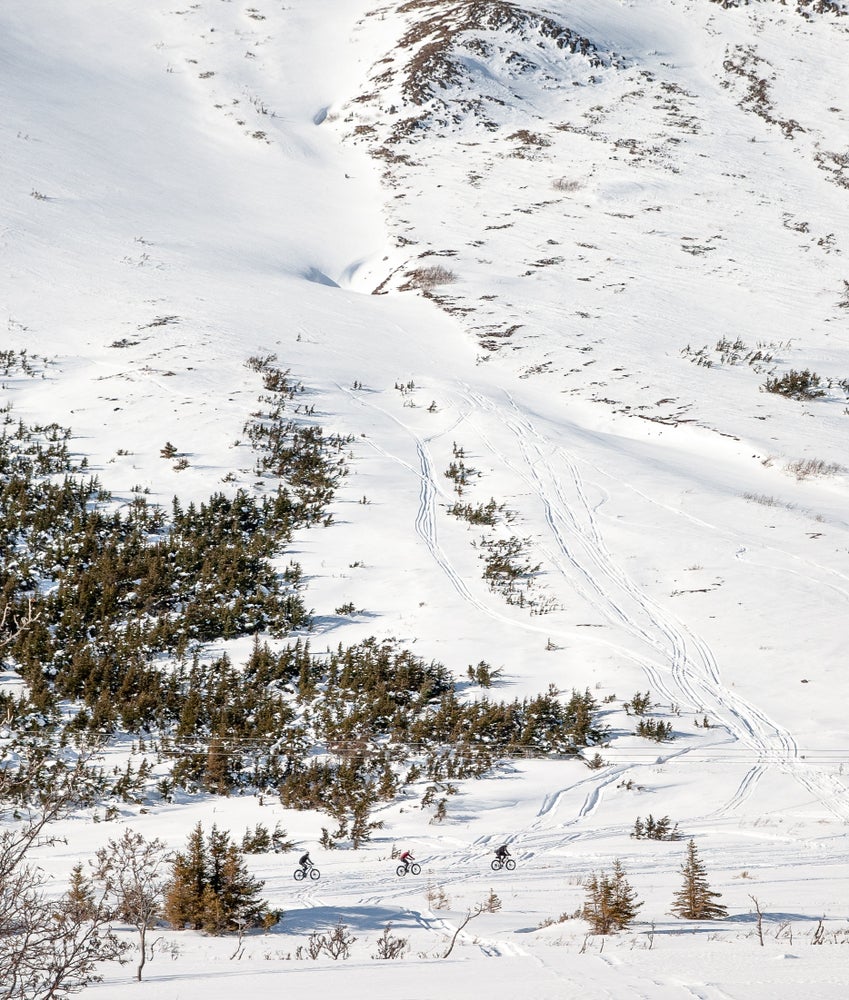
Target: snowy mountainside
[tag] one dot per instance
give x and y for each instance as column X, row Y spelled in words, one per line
column 542, row 255
column 668, row 180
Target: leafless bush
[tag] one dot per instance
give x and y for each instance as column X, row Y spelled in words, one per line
column 492, row 904
column 759, row 923
column 437, row 897
column 389, row 947
column 565, row 184
column 767, row 501
column 49, row 949
column 805, row 468
column 336, row 944
column 551, row 921
column 430, row 277
column 132, row 873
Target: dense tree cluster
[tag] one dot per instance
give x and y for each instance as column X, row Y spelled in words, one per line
column 291, row 448
column 119, row 601
column 211, row 888
column 367, row 707
column 108, row 589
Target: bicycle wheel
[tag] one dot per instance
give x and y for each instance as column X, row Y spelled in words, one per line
column 299, row 874
column 510, row 865
column 401, row 870
column 416, row 869
column 495, row 865
column 315, row 874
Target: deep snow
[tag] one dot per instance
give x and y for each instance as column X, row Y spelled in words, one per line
column 202, row 165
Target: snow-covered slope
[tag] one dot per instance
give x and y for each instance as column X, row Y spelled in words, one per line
column 572, row 241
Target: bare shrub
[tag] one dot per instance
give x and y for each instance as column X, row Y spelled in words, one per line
column 805, row 468
column 389, row 947
column 565, row 184
column 551, row 921
column 437, row 897
column 796, row 385
column 132, row 872
column 430, row 277
column 759, row 923
column 336, row 944
column 49, row 948
column 492, row 904
column 767, row 501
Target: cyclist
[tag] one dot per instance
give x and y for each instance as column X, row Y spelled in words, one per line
column 305, row 862
column 405, row 859
column 502, row 853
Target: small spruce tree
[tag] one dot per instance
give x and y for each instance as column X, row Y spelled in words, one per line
column 184, row 894
column 695, row 900
column 79, row 899
column 611, row 903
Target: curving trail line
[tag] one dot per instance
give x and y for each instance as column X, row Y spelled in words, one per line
column 679, row 665
column 425, row 523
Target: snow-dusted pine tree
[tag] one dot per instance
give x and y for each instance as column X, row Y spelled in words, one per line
column 695, row 900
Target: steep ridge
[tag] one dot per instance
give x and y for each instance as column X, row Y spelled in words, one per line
column 656, row 156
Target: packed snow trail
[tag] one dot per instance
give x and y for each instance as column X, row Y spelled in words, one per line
column 680, row 667
column 690, row 674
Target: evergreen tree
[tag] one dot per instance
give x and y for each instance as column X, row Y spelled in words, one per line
column 79, row 899
column 216, row 775
column 240, row 892
column 184, row 894
column 611, row 902
column 211, row 888
column 695, row 899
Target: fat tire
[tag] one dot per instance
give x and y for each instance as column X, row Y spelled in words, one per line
column 315, row 874
column 299, row 874
column 510, row 865
column 416, row 869
column 401, row 870
column 495, row 865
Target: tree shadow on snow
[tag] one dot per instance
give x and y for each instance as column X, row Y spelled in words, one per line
column 770, row 917
column 358, row 919
column 321, row 622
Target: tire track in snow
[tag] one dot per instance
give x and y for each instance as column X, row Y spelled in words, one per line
column 692, row 666
column 698, row 676
column 691, row 674
column 425, row 519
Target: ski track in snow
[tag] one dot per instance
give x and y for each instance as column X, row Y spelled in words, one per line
column 426, row 521
column 693, row 674
column 680, row 666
